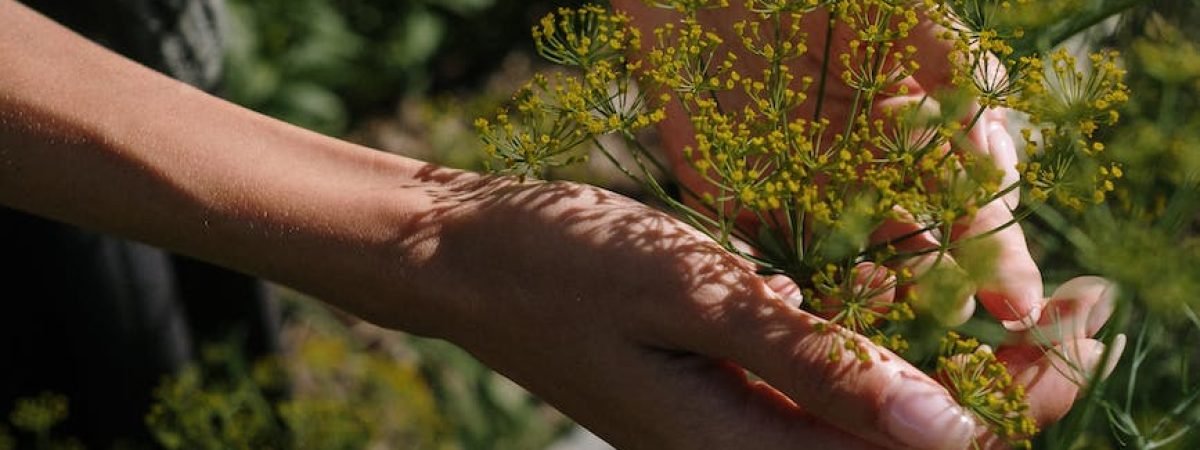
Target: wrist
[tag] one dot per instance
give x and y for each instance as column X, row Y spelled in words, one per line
column 440, row 262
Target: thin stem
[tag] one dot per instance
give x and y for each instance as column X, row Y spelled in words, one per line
column 1055, row 37
column 1017, row 218
column 824, row 67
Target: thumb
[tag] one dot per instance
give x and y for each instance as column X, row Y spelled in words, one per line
column 839, row 376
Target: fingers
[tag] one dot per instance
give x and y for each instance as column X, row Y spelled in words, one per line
column 668, row 401
column 1076, row 310
column 636, row 397
column 942, row 289
column 907, row 236
column 786, row 289
column 1055, row 377
column 879, row 397
column 1055, row 374
column 1014, row 293
column 1003, row 152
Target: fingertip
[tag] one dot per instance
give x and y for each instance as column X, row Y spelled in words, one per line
column 1102, row 310
column 877, row 280
column 786, row 289
column 1013, row 293
column 1092, row 298
column 1116, row 348
column 949, row 310
column 915, row 408
column 1076, row 310
column 1085, row 286
column 964, row 313
column 1028, row 321
column 1054, row 381
column 1017, row 304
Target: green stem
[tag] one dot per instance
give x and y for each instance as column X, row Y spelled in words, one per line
column 824, row 67
column 1054, row 37
column 947, row 246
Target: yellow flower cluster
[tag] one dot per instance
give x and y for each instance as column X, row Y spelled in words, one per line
column 555, row 114
column 585, row 36
column 982, row 385
column 803, row 181
column 1057, row 91
column 858, row 307
column 1070, row 104
column 689, row 5
column 982, row 33
column 772, row 7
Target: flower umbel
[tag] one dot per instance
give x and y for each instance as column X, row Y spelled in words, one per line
column 982, row 385
column 780, row 176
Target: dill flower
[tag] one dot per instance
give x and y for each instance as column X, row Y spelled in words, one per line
column 585, row 36
column 982, row 385
column 1070, row 105
column 798, row 187
column 555, row 114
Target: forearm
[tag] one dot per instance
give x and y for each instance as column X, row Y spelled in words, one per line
column 92, row 139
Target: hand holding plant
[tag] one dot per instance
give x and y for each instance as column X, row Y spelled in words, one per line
column 856, row 148
column 647, row 351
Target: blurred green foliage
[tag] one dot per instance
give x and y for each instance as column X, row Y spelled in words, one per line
column 326, row 64
column 339, row 387
column 312, row 62
column 326, row 394
column 1145, row 239
column 34, row 419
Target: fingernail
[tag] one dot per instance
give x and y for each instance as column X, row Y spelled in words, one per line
column 994, row 127
column 1102, row 310
column 1076, row 364
column 795, row 299
column 1114, row 356
column 1027, row 322
column 786, row 289
column 924, row 416
column 997, row 135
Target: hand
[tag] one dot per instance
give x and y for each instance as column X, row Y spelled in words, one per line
column 1058, row 357
column 638, row 327
column 1015, row 294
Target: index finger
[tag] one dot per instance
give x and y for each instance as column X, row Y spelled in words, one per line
column 839, row 376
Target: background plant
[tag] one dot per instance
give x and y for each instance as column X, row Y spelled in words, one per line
column 1144, row 237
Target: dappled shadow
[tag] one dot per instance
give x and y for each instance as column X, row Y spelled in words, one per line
column 503, row 248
